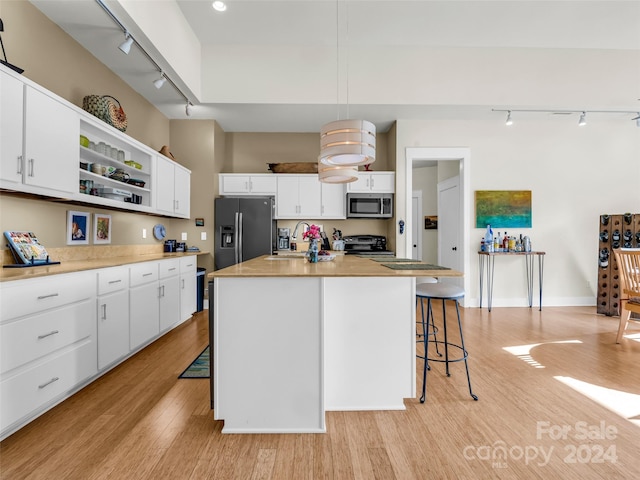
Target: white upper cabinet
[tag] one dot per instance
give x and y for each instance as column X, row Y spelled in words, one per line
column 380, row 182
column 333, row 200
column 39, row 140
column 11, row 129
column 40, row 153
column 172, row 186
column 243, row 184
column 298, row 196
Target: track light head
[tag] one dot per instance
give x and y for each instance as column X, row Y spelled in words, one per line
column 188, row 109
column 509, row 120
column 160, row 81
column 583, row 121
column 125, row 47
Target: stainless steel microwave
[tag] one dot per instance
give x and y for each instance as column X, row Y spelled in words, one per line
column 369, row 205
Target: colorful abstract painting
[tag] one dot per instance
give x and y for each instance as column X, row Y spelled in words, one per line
column 503, row 208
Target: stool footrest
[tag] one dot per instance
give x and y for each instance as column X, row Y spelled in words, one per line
column 465, row 354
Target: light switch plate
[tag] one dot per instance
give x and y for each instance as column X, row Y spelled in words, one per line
column 203, row 235
column 144, row 233
column 184, row 236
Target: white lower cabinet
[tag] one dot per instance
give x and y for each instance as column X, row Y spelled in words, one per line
column 47, row 343
column 169, row 293
column 60, row 332
column 144, row 308
column 113, row 315
column 188, row 287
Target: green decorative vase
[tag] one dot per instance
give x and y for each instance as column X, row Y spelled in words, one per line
column 313, row 251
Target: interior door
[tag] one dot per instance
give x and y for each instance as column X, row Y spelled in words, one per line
column 449, row 213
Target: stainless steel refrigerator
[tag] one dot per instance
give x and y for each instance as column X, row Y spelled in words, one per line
column 245, row 229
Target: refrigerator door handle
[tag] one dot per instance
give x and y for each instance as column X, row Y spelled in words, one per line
column 237, row 238
column 240, row 241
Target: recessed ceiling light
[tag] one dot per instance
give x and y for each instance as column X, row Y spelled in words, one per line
column 219, row 6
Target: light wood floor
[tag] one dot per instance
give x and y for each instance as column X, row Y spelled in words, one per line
column 140, row 422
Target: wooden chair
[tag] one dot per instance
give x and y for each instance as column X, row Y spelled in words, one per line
column 629, row 267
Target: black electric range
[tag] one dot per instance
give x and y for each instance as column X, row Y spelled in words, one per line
column 366, row 245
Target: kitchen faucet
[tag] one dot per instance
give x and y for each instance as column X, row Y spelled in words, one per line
column 295, row 230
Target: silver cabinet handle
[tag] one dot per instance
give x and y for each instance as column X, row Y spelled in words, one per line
column 183, row 283
column 53, row 332
column 42, row 297
column 147, row 274
column 172, row 269
column 19, row 172
column 104, row 311
column 31, row 162
column 114, row 281
column 372, row 181
column 54, row 379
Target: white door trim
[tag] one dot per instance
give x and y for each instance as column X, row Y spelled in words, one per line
column 463, row 155
column 418, row 217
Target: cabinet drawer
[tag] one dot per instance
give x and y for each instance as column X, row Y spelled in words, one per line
column 33, row 337
column 112, row 279
column 188, row 265
column 142, row 273
column 169, row 268
column 25, row 297
column 26, row 392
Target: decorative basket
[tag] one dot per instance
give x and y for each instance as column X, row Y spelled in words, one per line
column 104, row 107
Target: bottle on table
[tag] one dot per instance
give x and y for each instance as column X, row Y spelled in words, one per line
column 497, row 243
column 488, row 239
column 505, row 242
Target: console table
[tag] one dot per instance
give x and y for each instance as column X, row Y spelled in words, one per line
column 528, row 262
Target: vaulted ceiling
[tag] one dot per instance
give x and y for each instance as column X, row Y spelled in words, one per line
column 292, row 65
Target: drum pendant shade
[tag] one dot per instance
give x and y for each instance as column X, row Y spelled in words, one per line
column 347, row 143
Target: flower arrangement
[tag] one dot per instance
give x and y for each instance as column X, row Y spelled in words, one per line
column 313, row 233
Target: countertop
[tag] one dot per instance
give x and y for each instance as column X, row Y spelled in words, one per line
column 341, row 266
column 7, row 274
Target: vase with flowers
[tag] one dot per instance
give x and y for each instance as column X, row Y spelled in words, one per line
column 313, row 234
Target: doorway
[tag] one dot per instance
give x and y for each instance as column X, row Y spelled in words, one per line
column 415, row 155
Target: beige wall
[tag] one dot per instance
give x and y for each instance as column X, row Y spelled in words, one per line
column 54, row 60
column 252, row 152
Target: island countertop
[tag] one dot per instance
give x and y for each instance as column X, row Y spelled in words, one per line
column 341, row 266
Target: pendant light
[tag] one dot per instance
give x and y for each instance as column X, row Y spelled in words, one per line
column 344, row 144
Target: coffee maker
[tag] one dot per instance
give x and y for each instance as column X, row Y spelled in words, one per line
column 283, row 238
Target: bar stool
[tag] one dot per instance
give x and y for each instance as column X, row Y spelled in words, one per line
column 430, row 327
column 444, row 292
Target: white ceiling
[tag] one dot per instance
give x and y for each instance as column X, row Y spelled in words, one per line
column 290, row 38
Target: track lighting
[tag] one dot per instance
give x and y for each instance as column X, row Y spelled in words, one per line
column 188, row 108
column 582, row 122
column 160, row 81
column 125, row 46
column 509, row 121
column 583, row 113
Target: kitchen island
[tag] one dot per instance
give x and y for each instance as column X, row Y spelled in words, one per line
column 292, row 339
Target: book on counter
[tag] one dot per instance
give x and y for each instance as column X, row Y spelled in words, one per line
column 26, row 248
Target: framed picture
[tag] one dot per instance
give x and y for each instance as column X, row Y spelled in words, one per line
column 102, row 228
column 503, row 208
column 431, row 222
column 77, row 228
column 199, row 222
